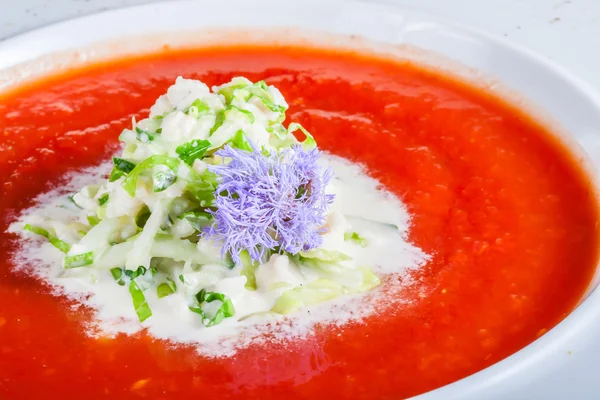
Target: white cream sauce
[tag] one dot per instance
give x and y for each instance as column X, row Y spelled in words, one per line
column 360, row 206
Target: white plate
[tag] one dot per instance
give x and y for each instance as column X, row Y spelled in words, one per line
column 556, row 96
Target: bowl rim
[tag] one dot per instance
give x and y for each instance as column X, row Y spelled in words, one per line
column 535, row 353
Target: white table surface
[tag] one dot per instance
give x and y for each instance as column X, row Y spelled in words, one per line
column 566, row 31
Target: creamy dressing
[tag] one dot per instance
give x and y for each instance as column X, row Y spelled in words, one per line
column 360, row 206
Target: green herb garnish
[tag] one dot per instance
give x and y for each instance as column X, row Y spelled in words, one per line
column 134, row 274
column 166, row 288
column 239, row 141
column 162, row 180
column 139, row 301
column 121, row 168
column 130, row 183
column 53, row 239
column 117, row 274
column 103, row 199
column 198, row 219
column 228, row 91
column 191, row 151
column 226, row 310
column 198, row 108
column 219, row 119
column 79, row 260
column 142, row 217
column 245, row 112
column 93, row 220
column 355, row 237
column 144, row 136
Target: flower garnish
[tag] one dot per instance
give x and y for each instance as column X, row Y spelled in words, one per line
column 266, row 202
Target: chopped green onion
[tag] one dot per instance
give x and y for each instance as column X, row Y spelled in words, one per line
column 226, row 310
column 122, row 167
column 355, row 237
column 103, row 199
column 134, row 274
column 198, row 219
column 144, row 136
column 193, row 150
column 228, row 91
column 245, row 112
column 202, row 186
column 239, row 141
column 166, row 288
column 161, row 180
column 262, row 85
column 259, row 90
column 268, row 103
column 197, row 108
column 142, row 217
column 117, row 274
column 130, row 183
column 219, row 119
column 53, row 239
column 139, row 302
column 93, row 220
column 79, row 260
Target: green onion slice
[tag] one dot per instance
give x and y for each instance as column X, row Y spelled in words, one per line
column 356, row 238
column 103, row 199
column 122, row 167
column 139, row 302
column 245, row 112
column 226, row 310
column 193, row 150
column 198, row 108
column 161, row 180
column 117, row 274
column 53, row 239
column 130, row 182
column 228, row 91
column 198, row 219
column 239, row 141
column 93, row 220
column 166, row 288
column 79, row 260
column 134, row 274
column 219, row 119
column 143, row 135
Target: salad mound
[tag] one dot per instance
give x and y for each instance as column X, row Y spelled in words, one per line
column 215, row 201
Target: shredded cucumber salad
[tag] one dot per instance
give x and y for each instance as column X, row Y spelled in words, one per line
column 193, row 189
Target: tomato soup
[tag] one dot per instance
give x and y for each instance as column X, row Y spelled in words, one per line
column 507, row 216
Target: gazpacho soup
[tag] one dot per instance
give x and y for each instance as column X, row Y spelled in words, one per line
column 267, row 222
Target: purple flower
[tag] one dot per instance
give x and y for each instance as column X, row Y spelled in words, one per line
column 269, row 201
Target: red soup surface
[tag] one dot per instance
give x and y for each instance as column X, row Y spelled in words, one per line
column 509, row 219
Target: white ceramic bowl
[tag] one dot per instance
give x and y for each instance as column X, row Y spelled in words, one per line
column 548, row 91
